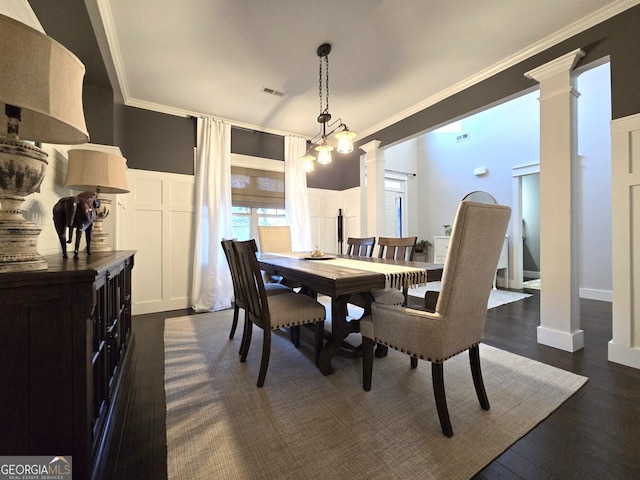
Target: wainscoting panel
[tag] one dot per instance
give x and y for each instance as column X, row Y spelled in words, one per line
column 624, row 348
column 158, row 224
column 324, row 206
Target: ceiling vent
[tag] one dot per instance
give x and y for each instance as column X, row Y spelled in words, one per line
column 272, row 91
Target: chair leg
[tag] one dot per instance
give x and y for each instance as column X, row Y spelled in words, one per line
column 367, row 362
column 246, row 338
column 266, row 352
column 381, row 351
column 437, row 374
column 234, row 324
column 476, row 373
column 319, row 340
column 294, row 333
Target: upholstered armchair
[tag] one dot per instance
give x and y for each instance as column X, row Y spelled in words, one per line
column 457, row 323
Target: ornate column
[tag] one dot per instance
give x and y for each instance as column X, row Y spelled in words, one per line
column 559, row 265
column 374, row 164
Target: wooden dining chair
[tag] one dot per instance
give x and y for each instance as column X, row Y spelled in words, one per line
column 457, row 323
column 238, row 293
column 272, row 312
column 360, row 247
column 398, row 248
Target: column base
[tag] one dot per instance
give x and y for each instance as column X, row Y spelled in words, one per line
column 624, row 355
column 569, row 342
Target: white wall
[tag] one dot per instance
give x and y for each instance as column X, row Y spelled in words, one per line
column 499, row 138
column 506, row 136
column 594, row 150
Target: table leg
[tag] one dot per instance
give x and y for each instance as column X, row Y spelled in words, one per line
column 340, row 328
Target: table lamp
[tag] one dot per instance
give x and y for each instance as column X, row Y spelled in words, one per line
column 41, row 95
column 100, row 172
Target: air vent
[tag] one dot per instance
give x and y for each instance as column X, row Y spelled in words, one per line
column 462, row 137
column 272, row 91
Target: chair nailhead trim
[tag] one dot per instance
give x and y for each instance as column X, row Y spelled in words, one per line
column 433, row 360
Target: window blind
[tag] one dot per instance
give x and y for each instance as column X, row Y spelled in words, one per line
column 257, row 188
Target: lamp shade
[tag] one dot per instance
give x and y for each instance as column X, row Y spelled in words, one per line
column 92, row 169
column 43, row 79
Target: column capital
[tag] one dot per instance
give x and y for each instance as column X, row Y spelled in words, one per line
column 559, row 65
column 370, row 146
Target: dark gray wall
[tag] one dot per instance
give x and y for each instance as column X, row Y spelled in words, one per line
column 155, row 141
column 257, row 144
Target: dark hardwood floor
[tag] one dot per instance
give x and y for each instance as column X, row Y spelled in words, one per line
column 594, row 435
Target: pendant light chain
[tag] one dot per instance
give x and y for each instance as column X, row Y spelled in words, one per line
column 326, row 60
column 342, row 133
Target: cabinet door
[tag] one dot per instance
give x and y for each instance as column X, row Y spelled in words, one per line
column 441, row 245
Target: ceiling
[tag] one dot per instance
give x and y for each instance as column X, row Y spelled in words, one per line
column 389, row 58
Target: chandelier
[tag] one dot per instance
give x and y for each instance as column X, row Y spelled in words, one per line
column 342, row 133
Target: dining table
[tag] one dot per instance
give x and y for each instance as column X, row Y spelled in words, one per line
column 340, row 276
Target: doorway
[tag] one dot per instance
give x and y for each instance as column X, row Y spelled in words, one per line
column 394, row 207
column 531, row 230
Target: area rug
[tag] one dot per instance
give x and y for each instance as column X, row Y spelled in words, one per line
column 496, row 298
column 303, row 425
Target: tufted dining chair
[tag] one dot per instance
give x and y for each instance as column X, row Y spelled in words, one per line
column 272, row 312
column 457, row 322
column 274, row 238
column 238, row 292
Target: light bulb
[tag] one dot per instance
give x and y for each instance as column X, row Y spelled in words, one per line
column 324, row 153
column 345, row 141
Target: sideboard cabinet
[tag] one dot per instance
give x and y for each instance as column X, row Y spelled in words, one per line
column 65, row 337
column 441, row 246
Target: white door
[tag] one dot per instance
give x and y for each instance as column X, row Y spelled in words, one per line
column 394, row 208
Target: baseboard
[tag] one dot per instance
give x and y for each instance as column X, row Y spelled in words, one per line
column 569, row 342
column 624, row 355
column 594, row 294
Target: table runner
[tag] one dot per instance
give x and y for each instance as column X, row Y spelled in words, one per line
column 396, row 276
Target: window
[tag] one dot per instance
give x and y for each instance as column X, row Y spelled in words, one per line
column 255, row 188
column 257, row 197
column 246, row 220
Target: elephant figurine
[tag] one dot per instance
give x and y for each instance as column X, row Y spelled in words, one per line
column 75, row 212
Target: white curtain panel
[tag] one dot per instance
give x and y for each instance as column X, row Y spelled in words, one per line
column 295, row 193
column 211, row 284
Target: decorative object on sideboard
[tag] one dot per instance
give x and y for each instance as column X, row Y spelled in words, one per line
column 77, row 213
column 422, row 246
column 41, row 95
column 447, row 230
column 319, row 142
column 102, row 172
